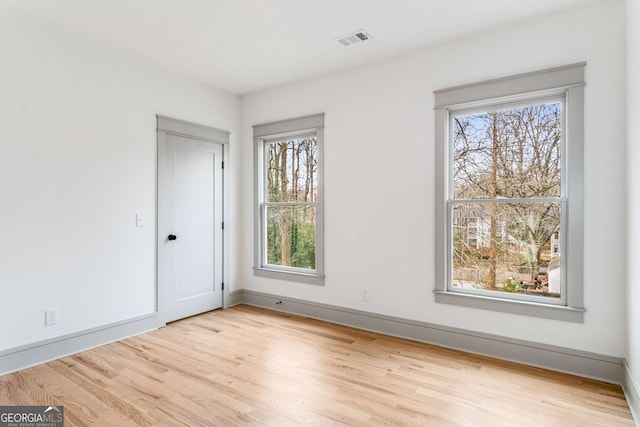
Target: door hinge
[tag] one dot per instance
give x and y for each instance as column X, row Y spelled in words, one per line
column 222, row 165
column 223, row 286
column 223, row 225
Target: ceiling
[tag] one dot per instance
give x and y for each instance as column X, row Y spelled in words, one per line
column 246, row 45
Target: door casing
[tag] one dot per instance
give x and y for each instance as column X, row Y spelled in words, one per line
column 169, row 126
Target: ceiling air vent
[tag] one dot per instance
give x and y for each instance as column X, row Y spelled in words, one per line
column 353, row 38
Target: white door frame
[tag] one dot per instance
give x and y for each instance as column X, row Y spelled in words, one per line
column 165, row 126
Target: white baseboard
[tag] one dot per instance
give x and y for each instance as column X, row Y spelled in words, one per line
column 29, row 355
column 582, row 363
column 632, row 393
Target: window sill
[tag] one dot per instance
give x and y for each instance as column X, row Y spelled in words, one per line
column 545, row 311
column 292, row 276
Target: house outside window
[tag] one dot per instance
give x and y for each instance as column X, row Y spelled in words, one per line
column 289, row 200
column 509, row 194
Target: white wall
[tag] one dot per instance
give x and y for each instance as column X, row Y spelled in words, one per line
column 633, row 188
column 77, row 162
column 380, row 183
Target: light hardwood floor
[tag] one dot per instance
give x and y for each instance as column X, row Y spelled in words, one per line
column 250, row 366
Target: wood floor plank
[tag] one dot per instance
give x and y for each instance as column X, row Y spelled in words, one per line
column 247, row 366
column 47, row 388
column 111, row 397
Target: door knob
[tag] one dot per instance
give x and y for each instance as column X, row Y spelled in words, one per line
column 172, row 237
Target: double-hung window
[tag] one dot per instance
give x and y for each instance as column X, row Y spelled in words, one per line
column 509, row 194
column 289, row 199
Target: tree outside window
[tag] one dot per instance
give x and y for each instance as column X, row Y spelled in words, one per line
column 291, row 187
column 506, row 204
column 289, row 240
column 509, row 194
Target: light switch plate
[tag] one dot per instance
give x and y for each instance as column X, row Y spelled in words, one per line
column 139, row 220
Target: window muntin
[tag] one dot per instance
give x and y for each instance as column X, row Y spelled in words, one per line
column 506, row 172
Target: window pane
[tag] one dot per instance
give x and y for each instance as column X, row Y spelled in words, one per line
column 513, row 153
column 292, row 170
column 291, row 236
column 507, row 247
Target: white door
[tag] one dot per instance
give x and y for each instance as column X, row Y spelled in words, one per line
column 190, row 232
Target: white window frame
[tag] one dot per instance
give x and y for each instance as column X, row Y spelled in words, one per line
column 561, row 83
column 267, row 133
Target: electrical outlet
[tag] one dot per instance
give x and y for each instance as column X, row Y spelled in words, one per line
column 139, row 220
column 365, row 294
column 51, row 317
